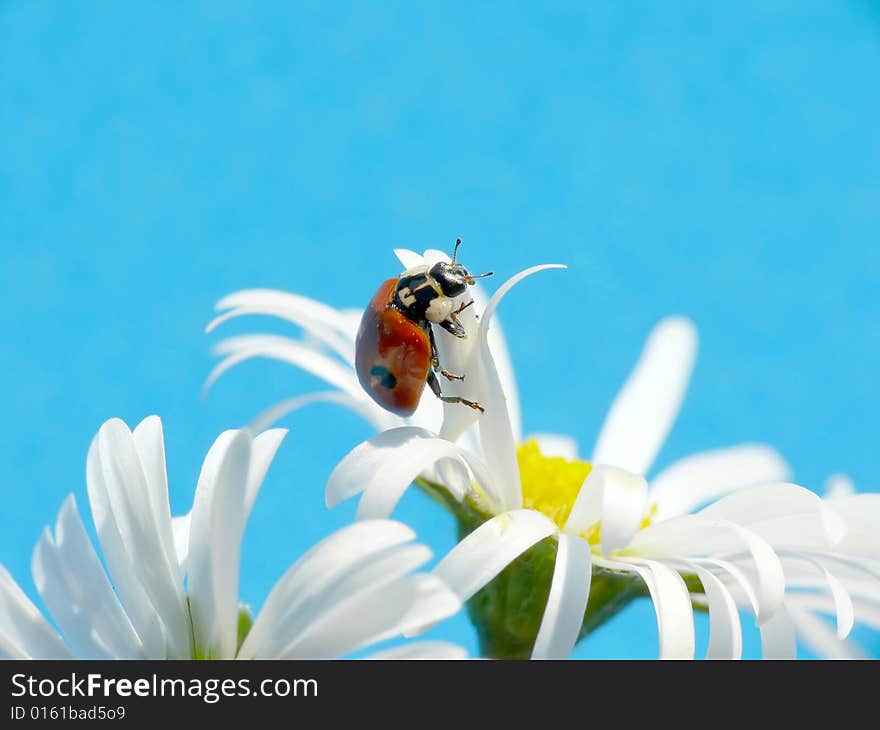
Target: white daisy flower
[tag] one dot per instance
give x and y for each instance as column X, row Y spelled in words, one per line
column 352, row 590
column 603, row 516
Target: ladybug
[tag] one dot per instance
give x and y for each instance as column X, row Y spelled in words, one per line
column 396, row 353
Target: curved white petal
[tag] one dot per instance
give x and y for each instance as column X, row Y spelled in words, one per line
column 263, row 449
column 366, row 409
column 463, row 356
column 422, row 650
column 76, row 591
column 725, row 631
column 672, row 604
column 746, row 582
column 284, row 304
column 310, row 583
column 556, row 444
column 648, row 403
column 695, row 536
column 567, row 601
column 843, row 602
column 867, row 611
column 274, row 347
column 26, row 632
column 614, row 496
column 822, row 640
column 324, row 323
column 756, row 506
column 698, row 479
column 778, row 638
column 216, row 529
column 374, row 615
column 384, row 466
column 496, row 431
column 483, row 554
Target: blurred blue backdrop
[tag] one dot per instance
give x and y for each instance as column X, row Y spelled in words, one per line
column 720, row 160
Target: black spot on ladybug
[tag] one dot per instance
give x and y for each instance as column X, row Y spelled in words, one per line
column 386, row 378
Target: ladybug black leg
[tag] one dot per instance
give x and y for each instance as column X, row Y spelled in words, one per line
column 464, row 306
column 435, row 360
column 435, row 387
column 453, row 326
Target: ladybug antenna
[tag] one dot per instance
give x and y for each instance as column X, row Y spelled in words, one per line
column 483, row 276
column 455, row 250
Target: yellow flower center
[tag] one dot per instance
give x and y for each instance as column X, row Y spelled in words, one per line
column 550, row 484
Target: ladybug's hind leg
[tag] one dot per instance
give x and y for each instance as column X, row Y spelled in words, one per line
column 435, row 387
column 435, row 360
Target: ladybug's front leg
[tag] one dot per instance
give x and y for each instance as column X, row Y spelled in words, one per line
column 435, row 360
column 435, row 387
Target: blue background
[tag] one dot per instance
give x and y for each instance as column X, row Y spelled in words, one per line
column 714, row 159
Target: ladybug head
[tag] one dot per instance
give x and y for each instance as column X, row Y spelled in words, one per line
column 453, row 278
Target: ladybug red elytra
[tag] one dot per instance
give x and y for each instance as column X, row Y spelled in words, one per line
column 396, row 354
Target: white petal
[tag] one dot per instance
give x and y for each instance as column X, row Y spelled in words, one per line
column 765, row 503
column 778, row 639
column 409, row 259
column 567, row 601
column 385, row 465
column 843, row 603
column 672, row 604
column 694, row 536
column 698, row 479
column 423, row 650
column 310, row 583
column 839, row 485
column 725, row 631
column 216, row 529
column 76, row 591
column 822, row 640
column 26, row 633
column 746, row 582
column 556, row 444
column 366, row 409
column 113, row 517
column 263, row 451
column 150, row 444
column 861, row 512
column 503, row 364
column 614, row 496
column 140, row 510
column 9, row 649
column 496, row 430
column 646, row 407
column 867, row 611
column 462, row 356
column 374, row 615
column 246, row 347
column 180, row 528
column 483, row 554
column 370, row 574
column 324, row 323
